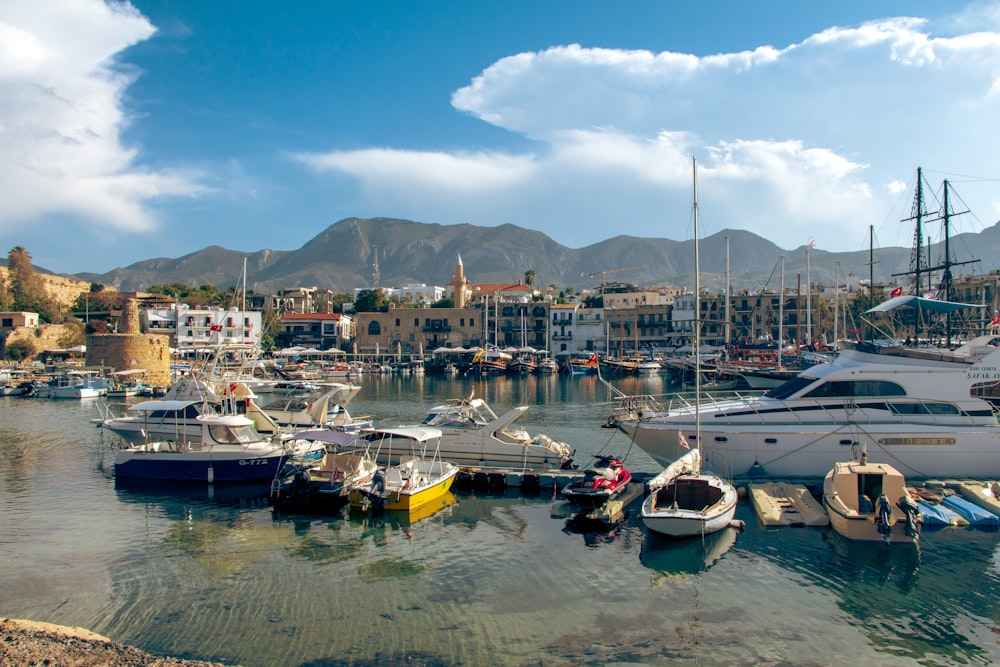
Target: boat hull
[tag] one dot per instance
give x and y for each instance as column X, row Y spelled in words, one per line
column 851, row 491
column 808, row 451
column 686, row 519
column 200, row 466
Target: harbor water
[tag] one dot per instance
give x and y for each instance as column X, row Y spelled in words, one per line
column 487, row 579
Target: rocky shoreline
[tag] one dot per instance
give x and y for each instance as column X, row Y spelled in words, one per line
column 32, row 643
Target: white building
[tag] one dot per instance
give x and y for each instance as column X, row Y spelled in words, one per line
column 202, row 327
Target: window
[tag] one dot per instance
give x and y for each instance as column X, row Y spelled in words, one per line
column 852, row 389
column 374, row 329
column 8, row 321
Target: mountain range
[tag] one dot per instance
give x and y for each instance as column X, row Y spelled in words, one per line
column 342, row 258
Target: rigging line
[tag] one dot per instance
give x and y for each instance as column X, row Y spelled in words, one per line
column 889, row 454
column 808, row 444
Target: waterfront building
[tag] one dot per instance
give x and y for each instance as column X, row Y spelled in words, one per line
column 192, row 328
column 322, row 331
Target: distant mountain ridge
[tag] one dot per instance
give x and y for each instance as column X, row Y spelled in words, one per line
column 342, row 257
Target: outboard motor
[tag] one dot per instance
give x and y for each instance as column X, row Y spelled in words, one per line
column 913, row 516
column 883, row 517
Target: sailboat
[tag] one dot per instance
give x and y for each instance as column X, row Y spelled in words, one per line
column 684, row 500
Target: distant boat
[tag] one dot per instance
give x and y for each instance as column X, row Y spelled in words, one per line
column 74, row 385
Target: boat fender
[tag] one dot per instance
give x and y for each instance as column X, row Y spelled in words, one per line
column 738, row 524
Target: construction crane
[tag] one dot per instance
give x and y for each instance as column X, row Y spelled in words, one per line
column 604, row 274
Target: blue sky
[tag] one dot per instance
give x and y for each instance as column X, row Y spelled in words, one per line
column 154, row 129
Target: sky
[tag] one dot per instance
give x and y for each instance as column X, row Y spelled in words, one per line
column 132, row 131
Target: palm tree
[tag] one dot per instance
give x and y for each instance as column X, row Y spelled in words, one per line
column 529, row 277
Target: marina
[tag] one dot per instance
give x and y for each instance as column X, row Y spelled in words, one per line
column 487, row 575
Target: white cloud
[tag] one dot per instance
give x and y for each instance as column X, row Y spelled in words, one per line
column 794, row 141
column 61, row 116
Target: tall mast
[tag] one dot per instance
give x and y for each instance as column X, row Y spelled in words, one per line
column 836, row 305
column 809, row 310
column 697, row 307
column 781, row 316
column 728, row 327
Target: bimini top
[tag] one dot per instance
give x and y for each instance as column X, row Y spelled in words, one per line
column 932, row 305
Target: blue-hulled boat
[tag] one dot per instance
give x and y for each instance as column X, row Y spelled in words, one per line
column 229, row 450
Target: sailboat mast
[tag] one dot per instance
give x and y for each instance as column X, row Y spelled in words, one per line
column 781, row 316
column 728, row 327
column 836, row 305
column 697, row 307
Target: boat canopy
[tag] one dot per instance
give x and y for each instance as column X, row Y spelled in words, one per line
column 932, row 305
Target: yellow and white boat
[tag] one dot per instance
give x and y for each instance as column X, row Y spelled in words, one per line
column 417, row 480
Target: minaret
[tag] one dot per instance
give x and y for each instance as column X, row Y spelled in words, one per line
column 459, row 283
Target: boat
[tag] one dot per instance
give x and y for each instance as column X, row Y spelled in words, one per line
column 684, row 500
column 489, row 362
column 418, row 479
column 583, row 366
column 649, row 367
column 547, row 366
column 474, row 436
column 869, row 502
column 228, row 449
column 322, row 486
column 74, row 385
column 914, row 405
column 605, row 480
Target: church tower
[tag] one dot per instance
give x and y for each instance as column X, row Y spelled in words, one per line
column 459, row 284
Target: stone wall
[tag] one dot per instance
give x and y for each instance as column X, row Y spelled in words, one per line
column 64, row 290
column 150, row 352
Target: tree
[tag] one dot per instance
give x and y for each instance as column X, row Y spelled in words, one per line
column 27, row 290
column 370, row 301
column 529, row 277
column 19, row 350
column 5, row 300
column 446, row 302
column 73, row 335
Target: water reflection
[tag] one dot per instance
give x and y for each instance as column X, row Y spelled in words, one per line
column 669, row 557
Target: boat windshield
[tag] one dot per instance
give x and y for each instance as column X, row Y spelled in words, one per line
column 232, row 435
column 793, row 386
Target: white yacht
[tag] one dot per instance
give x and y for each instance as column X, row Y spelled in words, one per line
column 921, row 409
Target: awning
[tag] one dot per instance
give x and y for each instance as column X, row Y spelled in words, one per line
column 932, row 305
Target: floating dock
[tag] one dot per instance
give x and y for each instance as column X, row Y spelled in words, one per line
column 783, row 504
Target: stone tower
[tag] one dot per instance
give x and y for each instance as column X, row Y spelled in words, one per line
column 130, row 349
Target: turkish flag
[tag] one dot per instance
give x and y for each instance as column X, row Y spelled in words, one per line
column 896, row 292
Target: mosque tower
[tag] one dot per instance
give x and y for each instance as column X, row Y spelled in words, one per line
column 459, row 284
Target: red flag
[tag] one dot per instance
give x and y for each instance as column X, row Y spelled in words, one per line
column 682, row 440
column 592, row 360
column 995, row 322
column 215, row 327
column 896, row 292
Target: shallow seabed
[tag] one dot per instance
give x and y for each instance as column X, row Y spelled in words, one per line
column 213, row 574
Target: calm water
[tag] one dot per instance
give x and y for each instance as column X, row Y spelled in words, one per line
column 487, row 580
